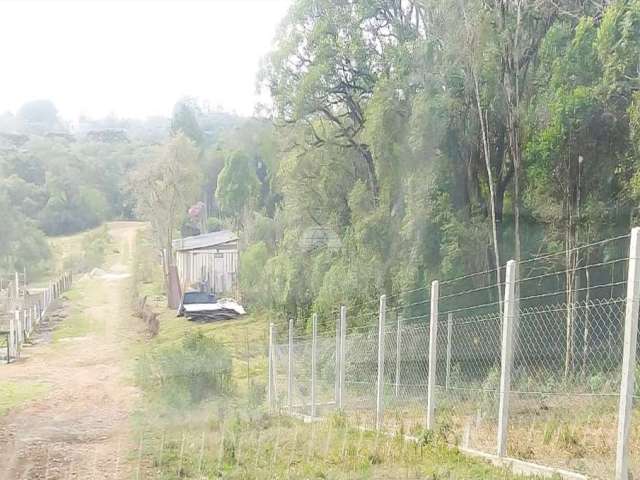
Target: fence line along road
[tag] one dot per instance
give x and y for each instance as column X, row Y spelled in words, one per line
column 538, row 371
column 25, row 310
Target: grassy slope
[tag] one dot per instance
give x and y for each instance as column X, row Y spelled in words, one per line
column 229, row 438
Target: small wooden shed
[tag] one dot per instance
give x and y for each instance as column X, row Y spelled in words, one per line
column 211, row 258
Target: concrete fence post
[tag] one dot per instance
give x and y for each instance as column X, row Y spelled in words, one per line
column 337, row 363
column 628, row 357
column 433, row 356
column 449, row 333
column 314, row 362
column 508, row 321
column 343, row 349
column 270, row 379
column 23, row 324
column 12, row 338
column 18, row 333
column 290, row 369
column 380, row 380
column 398, row 350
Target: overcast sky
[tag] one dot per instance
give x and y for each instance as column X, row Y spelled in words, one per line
column 134, row 58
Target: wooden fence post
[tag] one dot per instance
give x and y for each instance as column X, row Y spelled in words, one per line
column 314, row 362
column 12, row 338
column 508, row 320
column 18, row 333
column 628, row 357
column 380, row 380
column 433, row 356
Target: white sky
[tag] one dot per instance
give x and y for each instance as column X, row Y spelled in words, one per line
column 134, row 58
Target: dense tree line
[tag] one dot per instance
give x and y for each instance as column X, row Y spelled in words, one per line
column 58, row 179
column 427, row 139
column 408, row 140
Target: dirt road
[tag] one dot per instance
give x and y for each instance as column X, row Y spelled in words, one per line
column 80, row 428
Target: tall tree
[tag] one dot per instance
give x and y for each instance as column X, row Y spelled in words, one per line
column 164, row 188
column 321, row 77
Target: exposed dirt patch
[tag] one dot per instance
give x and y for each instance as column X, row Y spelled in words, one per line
column 81, row 428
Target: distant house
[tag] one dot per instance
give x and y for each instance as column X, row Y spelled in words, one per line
column 211, row 258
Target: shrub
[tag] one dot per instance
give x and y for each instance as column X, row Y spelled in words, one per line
column 214, row 224
column 197, row 369
column 94, row 246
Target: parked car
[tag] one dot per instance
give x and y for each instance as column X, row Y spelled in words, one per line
column 204, row 306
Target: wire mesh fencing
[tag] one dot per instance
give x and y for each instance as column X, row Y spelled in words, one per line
column 547, row 389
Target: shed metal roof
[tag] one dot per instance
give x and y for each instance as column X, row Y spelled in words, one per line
column 203, row 241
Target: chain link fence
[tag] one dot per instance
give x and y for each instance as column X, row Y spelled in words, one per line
column 560, row 405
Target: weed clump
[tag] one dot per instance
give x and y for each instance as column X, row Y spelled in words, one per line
column 197, row 369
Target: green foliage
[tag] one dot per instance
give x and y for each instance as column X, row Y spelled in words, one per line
column 22, row 244
column 95, row 245
column 252, row 279
column 237, row 184
column 185, row 120
column 165, row 186
column 197, row 369
column 55, row 184
column 382, row 146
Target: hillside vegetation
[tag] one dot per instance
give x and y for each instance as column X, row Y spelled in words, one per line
column 412, row 141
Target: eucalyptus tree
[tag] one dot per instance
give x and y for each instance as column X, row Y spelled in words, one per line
column 323, row 72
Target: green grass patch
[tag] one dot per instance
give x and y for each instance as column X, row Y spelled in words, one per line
column 75, row 325
column 240, row 444
column 82, row 317
column 13, row 394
